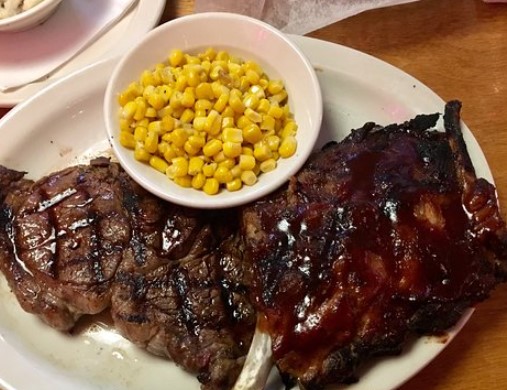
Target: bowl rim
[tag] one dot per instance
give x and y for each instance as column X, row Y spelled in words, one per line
column 228, row 199
column 29, row 12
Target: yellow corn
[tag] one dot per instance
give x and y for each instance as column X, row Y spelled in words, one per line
column 209, row 169
column 183, row 181
column 127, row 140
column 223, row 175
column 232, row 135
column 140, row 133
column 212, row 147
column 178, row 168
column 140, row 153
column 159, row 164
column 195, row 165
column 198, row 181
column 268, row 165
column 254, row 116
column 249, row 178
column 288, row 147
column 231, row 149
column 211, row 186
column 151, row 142
column 204, row 91
column 252, row 133
column 246, row 162
column 234, row 185
column 209, row 120
column 262, row 151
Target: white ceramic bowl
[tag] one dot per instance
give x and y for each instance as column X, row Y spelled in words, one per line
column 248, row 38
column 29, row 18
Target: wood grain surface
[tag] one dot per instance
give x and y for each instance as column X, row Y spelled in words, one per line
column 459, row 50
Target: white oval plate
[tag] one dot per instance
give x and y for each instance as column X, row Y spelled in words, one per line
column 138, row 21
column 41, row 138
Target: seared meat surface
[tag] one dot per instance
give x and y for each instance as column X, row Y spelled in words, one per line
column 61, row 240
column 386, row 233
column 89, row 239
column 180, row 290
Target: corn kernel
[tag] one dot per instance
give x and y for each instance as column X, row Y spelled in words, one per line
column 263, row 106
column 178, row 137
column 209, row 169
column 204, row 91
column 178, row 167
column 140, row 153
column 232, row 149
column 150, row 113
column 253, row 115
column 213, row 122
column 273, row 142
column 251, row 101
column 275, row 86
column 262, row 151
column 236, row 171
column 212, row 147
column 268, row 165
column 129, row 110
column 249, row 178
column 167, row 123
column 199, row 123
column 242, row 122
column 151, row 142
column 195, row 165
column 190, row 149
column 188, row 97
column 227, row 122
column 222, row 100
column 223, row 175
column 158, row 163
column 198, row 181
column 268, row 123
column 127, row 140
column 211, row 186
column 196, row 141
column 232, row 135
column 236, row 104
column 246, row 162
column 193, row 78
column 288, row 147
column 155, row 126
column 252, row 133
column 187, row 116
column 183, row 181
column 156, row 101
column 289, row 129
column 140, row 133
column 234, row 185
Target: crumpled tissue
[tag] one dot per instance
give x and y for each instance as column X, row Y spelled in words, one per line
column 295, row 16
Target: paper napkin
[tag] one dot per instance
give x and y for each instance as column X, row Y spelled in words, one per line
column 33, row 54
column 296, row 16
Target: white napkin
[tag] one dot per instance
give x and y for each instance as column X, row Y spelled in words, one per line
column 296, row 16
column 31, row 55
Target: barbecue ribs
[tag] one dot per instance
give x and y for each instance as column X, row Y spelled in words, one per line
column 385, row 233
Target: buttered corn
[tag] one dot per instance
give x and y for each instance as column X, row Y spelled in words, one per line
column 209, row 121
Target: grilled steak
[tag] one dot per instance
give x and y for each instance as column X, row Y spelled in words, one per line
column 88, row 238
column 386, row 233
column 61, row 240
column 180, row 290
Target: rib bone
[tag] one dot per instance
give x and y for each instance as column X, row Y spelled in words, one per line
column 258, row 363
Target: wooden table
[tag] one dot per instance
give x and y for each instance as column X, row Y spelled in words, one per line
column 459, row 50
